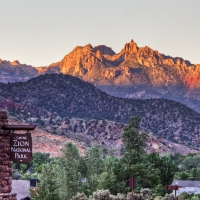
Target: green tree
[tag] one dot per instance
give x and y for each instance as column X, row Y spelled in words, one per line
column 133, row 146
column 107, row 179
column 165, row 165
column 134, row 160
column 38, row 160
column 166, row 170
column 93, row 162
column 69, row 176
column 46, row 189
column 132, row 138
column 191, row 161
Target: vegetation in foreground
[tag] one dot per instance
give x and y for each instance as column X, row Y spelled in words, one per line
column 98, row 169
column 100, row 172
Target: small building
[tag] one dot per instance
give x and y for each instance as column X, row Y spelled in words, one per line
column 21, row 188
column 187, row 186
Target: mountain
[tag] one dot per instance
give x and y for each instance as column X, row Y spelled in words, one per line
column 45, row 142
column 15, row 71
column 134, row 72
column 108, row 134
column 52, row 99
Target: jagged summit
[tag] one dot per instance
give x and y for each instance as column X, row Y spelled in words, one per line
column 82, row 49
column 15, row 62
column 133, row 67
column 130, row 47
column 104, row 50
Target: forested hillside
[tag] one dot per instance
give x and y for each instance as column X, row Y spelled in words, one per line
column 67, row 96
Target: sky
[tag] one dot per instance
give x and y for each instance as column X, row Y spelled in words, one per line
column 40, row 32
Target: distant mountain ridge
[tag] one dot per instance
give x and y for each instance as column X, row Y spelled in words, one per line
column 52, row 98
column 15, row 71
column 82, row 60
column 135, row 72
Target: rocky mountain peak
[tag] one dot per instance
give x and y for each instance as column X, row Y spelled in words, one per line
column 87, row 46
column 104, row 50
column 15, row 62
column 130, row 47
column 81, row 50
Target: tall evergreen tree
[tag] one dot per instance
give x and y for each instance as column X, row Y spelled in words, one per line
column 47, row 188
column 94, row 167
column 69, row 176
column 133, row 143
column 132, row 138
column 134, row 160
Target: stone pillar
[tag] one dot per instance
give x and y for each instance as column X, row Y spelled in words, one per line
column 5, row 163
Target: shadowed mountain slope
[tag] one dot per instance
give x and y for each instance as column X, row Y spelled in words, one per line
column 68, row 96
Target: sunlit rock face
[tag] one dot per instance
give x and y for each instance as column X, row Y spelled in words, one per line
column 133, row 70
column 126, row 74
column 133, row 65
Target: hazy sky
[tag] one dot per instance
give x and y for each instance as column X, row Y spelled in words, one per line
column 40, row 32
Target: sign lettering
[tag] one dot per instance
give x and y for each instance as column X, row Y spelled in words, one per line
column 20, row 147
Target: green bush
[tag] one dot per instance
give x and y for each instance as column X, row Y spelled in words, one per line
column 183, row 196
column 16, row 176
column 194, row 198
column 168, row 197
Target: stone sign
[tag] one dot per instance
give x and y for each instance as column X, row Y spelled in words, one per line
column 20, row 147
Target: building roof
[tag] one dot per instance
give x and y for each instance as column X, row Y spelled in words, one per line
column 21, row 188
column 186, row 183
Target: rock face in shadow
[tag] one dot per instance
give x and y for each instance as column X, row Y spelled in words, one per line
column 15, row 71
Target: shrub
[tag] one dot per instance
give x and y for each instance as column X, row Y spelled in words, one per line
column 146, row 192
column 194, row 198
column 105, row 195
column 169, row 197
column 100, row 195
column 183, row 196
column 118, row 197
column 80, row 196
column 158, row 198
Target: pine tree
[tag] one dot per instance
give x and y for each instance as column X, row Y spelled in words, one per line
column 69, row 176
column 132, row 138
column 46, row 189
column 134, row 160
